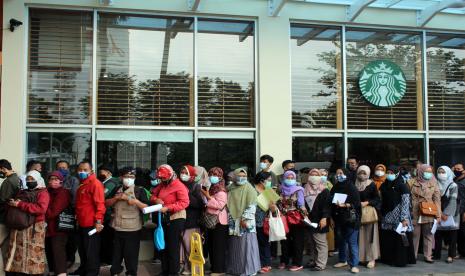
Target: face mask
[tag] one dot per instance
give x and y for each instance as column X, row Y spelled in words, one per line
column 2, row 175
column 289, row 182
column 390, row 177
column 214, row 179
column 263, row 165
column 379, row 173
column 102, row 178
column 128, row 182
column 341, row 178
column 197, row 178
column 31, row 185
column 268, row 184
column 457, row 173
column 185, row 177
column 314, row 179
column 54, row 184
column 442, row 176
column 241, row 180
column 362, row 177
column 427, row 175
column 64, row 172
column 324, row 178
column 154, row 182
column 83, row 175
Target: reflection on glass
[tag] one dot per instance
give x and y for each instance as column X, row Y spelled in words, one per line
column 144, row 155
column 318, row 152
column 228, row 154
column 60, row 67
column 446, row 152
column 316, row 76
column 225, row 73
column 50, row 147
column 145, row 70
column 446, row 81
column 373, row 151
column 400, row 48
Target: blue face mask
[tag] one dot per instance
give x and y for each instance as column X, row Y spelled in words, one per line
column 214, row 179
column 83, row 175
column 324, row 178
column 390, row 177
column 290, row 182
column 64, row 172
column 263, row 165
column 154, row 182
column 427, row 175
column 341, row 178
column 241, row 180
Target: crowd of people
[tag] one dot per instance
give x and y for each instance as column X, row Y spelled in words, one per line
column 364, row 214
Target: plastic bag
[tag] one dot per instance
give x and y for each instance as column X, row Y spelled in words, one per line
column 158, row 235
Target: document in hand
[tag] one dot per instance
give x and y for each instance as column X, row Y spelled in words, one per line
column 339, row 198
column 401, row 229
column 267, row 196
column 435, row 227
column 449, row 222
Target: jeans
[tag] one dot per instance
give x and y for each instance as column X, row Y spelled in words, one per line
column 348, row 239
column 263, row 247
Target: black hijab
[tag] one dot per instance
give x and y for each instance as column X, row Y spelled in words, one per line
column 392, row 191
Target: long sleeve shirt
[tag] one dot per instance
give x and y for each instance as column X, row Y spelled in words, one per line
column 38, row 208
column 174, row 195
column 90, row 202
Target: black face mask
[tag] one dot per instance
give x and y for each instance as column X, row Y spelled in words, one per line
column 457, row 173
column 31, row 185
column 102, row 177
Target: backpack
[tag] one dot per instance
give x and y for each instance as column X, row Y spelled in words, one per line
column 18, row 219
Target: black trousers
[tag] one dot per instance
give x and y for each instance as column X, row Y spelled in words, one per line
column 293, row 246
column 54, row 248
column 217, row 240
column 451, row 237
column 170, row 256
column 72, row 246
column 89, row 251
column 125, row 246
column 461, row 237
column 263, row 247
column 106, row 247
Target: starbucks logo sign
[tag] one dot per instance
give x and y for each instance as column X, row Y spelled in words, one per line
column 382, row 83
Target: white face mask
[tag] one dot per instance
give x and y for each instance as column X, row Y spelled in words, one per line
column 128, row 182
column 442, row 176
column 379, row 173
column 185, row 177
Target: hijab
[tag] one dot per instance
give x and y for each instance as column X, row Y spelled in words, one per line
column 450, row 178
column 202, row 174
column 37, row 177
column 218, row 187
column 379, row 179
column 361, row 185
column 312, row 188
column 392, row 192
column 240, row 197
column 420, row 173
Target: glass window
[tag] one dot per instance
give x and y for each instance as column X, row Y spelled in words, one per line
column 145, row 70
column 316, row 73
column 446, row 81
column 446, row 152
column 228, row 154
column 50, row 147
column 60, row 67
column 384, row 80
column 226, row 83
column 318, row 152
column 373, row 151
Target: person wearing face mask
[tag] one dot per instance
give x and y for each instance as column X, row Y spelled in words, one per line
column 330, row 235
column 352, row 166
column 396, row 249
column 244, row 256
column 317, row 204
column 56, row 240
column 292, row 202
column 266, row 162
column 26, row 252
column 127, row 222
column 32, row 165
column 263, row 181
column 449, row 192
column 324, row 178
column 368, row 241
column 216, row 199
column 425, row 189
column 193, row 212
column 346, row 218
column 90, row 211
column 288, row 165
column 174, row 196
column 201, row 177
column 459, row 179
column 379, row 175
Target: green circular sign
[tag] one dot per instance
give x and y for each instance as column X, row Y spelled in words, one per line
column 382, row 83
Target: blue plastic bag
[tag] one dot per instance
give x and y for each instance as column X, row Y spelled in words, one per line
column 158, row 235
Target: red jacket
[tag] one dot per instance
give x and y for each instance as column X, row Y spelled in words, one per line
column 37, row 208
column 60, row 199
column 175, row 195
column 90, row 202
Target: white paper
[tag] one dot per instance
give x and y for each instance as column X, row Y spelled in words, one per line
column 401, row 229
column 91, row 232
column 435, row 227
column 309, row 223
column 339, row 198
column 449, row 222
column 151, row 209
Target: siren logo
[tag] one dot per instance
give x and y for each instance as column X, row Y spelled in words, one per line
column 382, row 83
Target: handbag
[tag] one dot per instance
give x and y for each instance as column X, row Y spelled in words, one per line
column 277, row 229
column 159, row 235
column 294, row 217
column 209, row 221
column 428, row 209
column 266, row 223
column 18, row 219
column 369, row 215
column 66, row 220
column 446, row 199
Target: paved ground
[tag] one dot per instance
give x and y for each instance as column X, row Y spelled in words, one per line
column 421, row 268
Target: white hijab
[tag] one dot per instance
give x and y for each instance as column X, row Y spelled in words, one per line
column 37, row 177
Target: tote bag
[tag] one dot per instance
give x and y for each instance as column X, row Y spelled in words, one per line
column 158, row 235
column 277, row 229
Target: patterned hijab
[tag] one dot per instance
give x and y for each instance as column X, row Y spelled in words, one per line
column 361, row 185
column 218, row 187
column 313, row 188
column 379, row 179
column 202, row 175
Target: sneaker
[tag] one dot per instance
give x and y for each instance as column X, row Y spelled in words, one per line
column 265, row 270
column 340, row 264
column 449, row 260
column 354, row 270
column 282, row 266
column 186, row 272
column 295, row 268
column 316, row 268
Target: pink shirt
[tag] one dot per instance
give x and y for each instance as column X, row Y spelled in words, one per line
column 217, row 202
